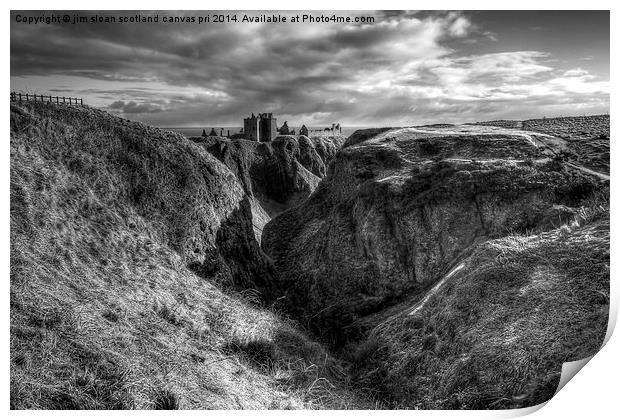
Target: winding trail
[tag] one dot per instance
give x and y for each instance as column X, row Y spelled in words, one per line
column 589, row 171
column 560, row 145
column 435, row 289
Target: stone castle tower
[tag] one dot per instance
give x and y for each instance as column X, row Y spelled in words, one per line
column 260, row 128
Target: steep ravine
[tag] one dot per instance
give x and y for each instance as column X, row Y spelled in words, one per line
column 275, row 175
column 402, row 211
column 394, row 212
column 424, row 267
column 134, row 270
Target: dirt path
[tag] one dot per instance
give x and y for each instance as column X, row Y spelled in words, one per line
column 557, row 145
column 589, row 171
column 435, row 289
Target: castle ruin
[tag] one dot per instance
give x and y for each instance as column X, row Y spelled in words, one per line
column 260, row 128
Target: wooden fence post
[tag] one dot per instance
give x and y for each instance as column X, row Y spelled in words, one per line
column 18, row 96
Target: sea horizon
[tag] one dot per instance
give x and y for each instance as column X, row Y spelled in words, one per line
column 194, row 131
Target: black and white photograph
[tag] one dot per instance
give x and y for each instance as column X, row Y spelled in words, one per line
column 306, row 209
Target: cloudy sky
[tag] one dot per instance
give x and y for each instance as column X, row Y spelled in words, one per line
column 405, row 68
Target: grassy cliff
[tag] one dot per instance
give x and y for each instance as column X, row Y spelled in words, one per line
column 397, row 209
column 448, row 266
column 133, row 265
column 497, row 327
column 455, row 267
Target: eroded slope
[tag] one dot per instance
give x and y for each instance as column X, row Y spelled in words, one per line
column 275, row 175
column 398, row 209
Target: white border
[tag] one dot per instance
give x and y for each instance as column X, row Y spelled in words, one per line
column 592, row 394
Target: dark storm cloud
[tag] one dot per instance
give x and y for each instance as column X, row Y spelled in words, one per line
column 397, row 14
column 405, row 64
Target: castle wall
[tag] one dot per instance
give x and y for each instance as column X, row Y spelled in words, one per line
column 251, row 128
column 268, row 129
column 260, row 128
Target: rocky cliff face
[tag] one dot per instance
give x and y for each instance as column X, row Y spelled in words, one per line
column 275, row 175
column 396, row 210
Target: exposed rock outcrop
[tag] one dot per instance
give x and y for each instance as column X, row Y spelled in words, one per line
column 396, row 210
column 275, row 175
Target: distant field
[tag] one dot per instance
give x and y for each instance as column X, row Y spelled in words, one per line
column 587, row 136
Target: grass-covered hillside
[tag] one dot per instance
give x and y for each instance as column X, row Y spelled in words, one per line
column 454, row 267
column 444, row 266
column 495, row 330
column 132, row 268
column 397, row 209
column 586, row 137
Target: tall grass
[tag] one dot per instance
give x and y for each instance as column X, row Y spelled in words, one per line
column 106, row 217
column 496, row 335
